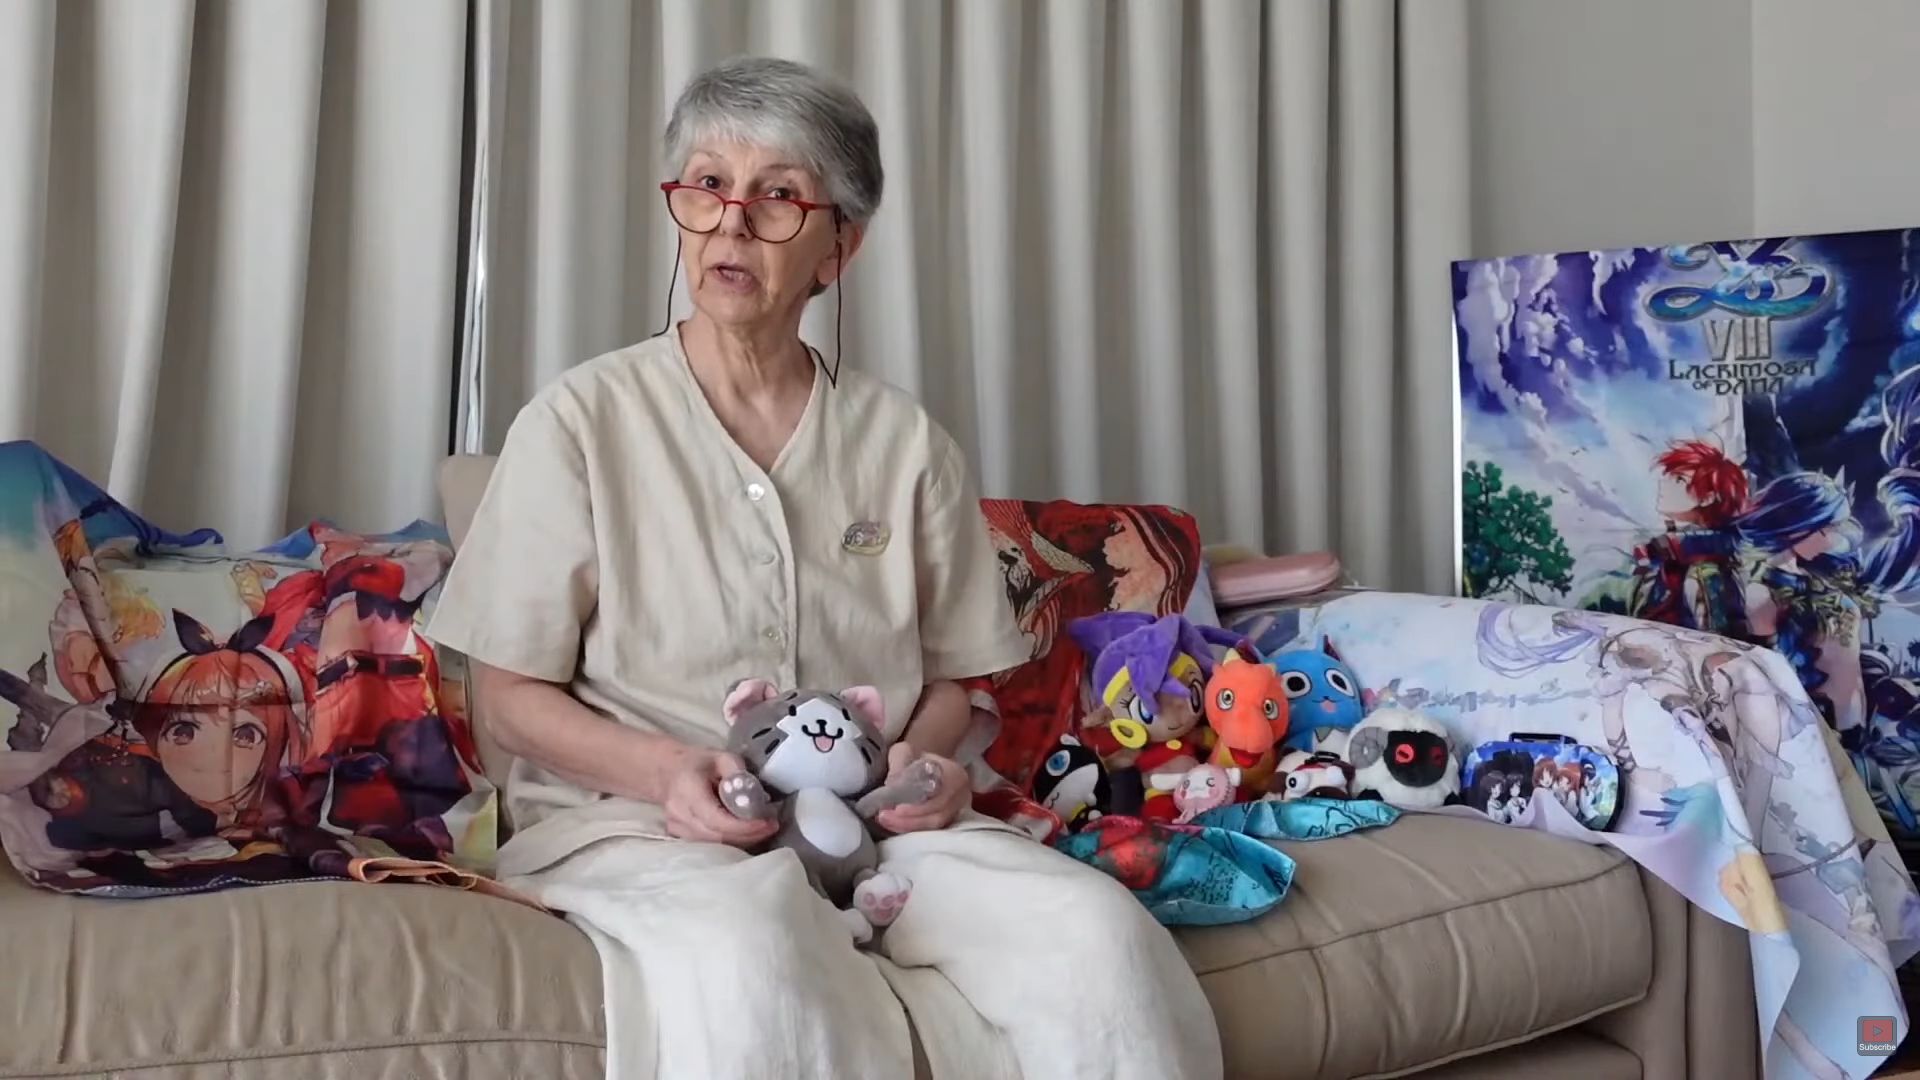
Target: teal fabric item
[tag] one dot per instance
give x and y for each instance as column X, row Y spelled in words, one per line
column 1216, row 877
column 1186, row 876
column 1220, row 869
column 1300, row 819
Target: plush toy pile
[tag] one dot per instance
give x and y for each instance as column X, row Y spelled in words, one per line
column 1171, row 733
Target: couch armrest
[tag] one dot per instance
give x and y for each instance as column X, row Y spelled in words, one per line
column 1699, row 1016
column 463, row 479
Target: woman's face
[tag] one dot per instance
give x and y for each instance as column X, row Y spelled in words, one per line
column 1831, row 539
column 1674, row 501
column 734, row 277
column 212, row 755
column 1137, row 578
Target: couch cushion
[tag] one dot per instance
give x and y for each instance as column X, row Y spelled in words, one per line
column 416, row 980
column 1568, row 1054
column 1433, row 937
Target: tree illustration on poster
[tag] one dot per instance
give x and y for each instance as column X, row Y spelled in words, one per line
column 1508, row 537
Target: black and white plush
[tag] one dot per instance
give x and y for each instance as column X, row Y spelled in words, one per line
column 1073, row 783
column 1404, row 759
column 1316, row 775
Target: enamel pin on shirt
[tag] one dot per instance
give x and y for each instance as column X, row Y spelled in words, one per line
column 866, row 538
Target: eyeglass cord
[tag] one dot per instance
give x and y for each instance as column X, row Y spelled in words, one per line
column 839, row 310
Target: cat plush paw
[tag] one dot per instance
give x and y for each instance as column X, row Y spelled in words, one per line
column 745, row 797
column 920, row 783
column 880, row 898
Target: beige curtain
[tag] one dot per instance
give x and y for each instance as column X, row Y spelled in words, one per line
column 228, row 241
column 1188, row 252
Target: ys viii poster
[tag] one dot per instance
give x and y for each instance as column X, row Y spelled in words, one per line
column 1723, row 436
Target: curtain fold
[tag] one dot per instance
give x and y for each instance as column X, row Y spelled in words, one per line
column 228, row 238
column 1189, row 252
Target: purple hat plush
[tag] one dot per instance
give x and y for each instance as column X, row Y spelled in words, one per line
column 1145, row 647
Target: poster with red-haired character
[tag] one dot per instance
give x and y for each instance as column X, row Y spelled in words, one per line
column 1719, row 436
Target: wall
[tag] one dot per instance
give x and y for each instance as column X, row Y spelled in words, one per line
column 1609, row 124
column 1836, row 110
column 1642, row 121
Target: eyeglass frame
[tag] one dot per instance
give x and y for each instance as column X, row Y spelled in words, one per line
column 668, row 187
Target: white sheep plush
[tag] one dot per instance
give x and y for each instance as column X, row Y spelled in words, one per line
column 1404, row 759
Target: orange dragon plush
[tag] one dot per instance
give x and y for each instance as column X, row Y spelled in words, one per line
column 1247, row 709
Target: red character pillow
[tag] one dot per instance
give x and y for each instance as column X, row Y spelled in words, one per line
column 1064, row 561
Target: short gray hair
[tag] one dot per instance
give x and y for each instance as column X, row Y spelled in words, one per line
column 765, row 101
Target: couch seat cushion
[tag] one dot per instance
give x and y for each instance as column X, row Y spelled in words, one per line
column 296, row 980
column 1426, row 940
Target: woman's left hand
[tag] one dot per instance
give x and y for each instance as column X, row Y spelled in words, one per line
column 954, row 795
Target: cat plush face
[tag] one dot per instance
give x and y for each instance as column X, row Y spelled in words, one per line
column 1072, row 783
column 808, row 738
column 1322, row 693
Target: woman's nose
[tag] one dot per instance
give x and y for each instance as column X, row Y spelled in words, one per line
column 733, row 220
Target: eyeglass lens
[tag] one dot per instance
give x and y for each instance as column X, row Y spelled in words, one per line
column 699, row 210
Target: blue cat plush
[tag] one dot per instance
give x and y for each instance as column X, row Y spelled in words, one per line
column 1323, row 697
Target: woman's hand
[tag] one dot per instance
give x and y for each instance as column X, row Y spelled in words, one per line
column 954, row 795
column 693, row 805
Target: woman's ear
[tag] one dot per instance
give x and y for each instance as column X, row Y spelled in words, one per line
column 845, row 246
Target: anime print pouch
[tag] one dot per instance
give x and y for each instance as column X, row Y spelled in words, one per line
column 1502, row 778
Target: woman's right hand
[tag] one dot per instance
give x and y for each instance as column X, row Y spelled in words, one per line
column 693, row 804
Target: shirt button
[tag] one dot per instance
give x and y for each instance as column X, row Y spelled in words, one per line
column 768, row 558
column 756, row 491
column 772, row 635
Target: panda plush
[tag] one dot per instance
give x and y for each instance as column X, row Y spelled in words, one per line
column 1404, row 759
column 1073, row 784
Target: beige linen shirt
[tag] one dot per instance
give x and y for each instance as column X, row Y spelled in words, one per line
column 628, row 548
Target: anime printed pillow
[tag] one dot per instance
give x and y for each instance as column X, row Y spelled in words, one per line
column 175, row 718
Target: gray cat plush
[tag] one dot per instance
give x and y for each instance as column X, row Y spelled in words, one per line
column 816, row 763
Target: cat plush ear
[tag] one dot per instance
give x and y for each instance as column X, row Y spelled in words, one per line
column 745, row 695
column 866, row 701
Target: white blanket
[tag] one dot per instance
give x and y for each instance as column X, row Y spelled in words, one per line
column 1012, row 960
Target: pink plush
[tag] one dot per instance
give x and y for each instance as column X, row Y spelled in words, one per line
column 1199, row 789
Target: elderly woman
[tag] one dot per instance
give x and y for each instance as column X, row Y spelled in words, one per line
column 712, row 504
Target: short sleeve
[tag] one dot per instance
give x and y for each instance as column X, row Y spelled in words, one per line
column 967, row 626
column 526, row 580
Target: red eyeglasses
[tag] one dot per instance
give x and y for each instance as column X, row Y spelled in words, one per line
column 771, row 218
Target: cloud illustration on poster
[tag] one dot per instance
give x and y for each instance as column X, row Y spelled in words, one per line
column 1605, row 265
column 1513, row 336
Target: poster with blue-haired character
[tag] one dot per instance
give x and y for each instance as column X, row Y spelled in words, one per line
column 1689, row 525
column 1720, row 436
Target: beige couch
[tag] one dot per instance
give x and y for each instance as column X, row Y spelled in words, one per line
column 1443, row 946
